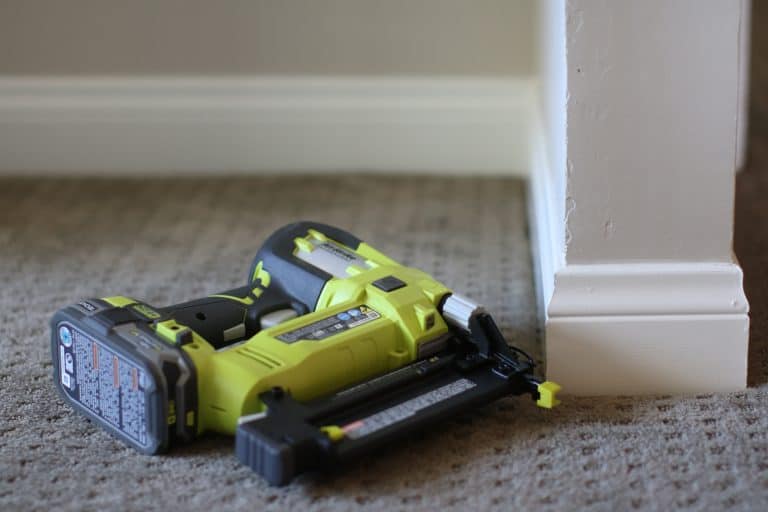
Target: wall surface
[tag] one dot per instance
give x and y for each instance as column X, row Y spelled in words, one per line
column 652, row 122
column 320, row 37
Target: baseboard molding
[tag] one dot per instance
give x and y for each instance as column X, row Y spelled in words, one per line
column 642, row 328
column 632, row 328
column 103, row 125
column 648, row 289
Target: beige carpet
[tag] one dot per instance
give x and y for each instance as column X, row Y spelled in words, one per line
column 166, row 241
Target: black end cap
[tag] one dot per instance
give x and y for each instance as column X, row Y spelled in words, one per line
column 270, row 458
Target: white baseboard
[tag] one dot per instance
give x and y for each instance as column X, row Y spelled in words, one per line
column 239, row 125
column 648, row 328
column 641, row 355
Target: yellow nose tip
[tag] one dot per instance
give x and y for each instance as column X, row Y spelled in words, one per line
column 334, row 432
column 548, row 394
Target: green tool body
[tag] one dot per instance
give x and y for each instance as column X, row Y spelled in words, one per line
column 330, row 349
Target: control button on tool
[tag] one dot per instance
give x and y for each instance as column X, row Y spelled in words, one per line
column 388, row 284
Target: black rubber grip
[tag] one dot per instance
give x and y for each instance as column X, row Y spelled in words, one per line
column 298, row 279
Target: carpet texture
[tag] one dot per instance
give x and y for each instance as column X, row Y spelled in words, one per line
column 167, row 241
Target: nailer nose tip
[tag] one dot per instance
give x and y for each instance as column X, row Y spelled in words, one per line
column 548, row 394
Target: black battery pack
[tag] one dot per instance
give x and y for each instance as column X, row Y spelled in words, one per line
column 114, row 369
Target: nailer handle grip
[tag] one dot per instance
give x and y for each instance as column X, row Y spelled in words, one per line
column 236, row 315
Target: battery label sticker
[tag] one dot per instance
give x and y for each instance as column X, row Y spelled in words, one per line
column 331, row 325
column 399, row 412
column 105, row 383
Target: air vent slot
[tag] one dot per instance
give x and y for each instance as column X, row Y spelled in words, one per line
column 260, row 357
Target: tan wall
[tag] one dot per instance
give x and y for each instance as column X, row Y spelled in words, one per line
column 340, row 37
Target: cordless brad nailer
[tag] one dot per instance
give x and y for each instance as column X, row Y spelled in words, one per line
column 331, row 349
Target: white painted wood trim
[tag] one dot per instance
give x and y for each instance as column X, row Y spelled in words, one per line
column 648, row 328
column 648, row 354
column 648, row 289
column 547, row 225
column 266, row 124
